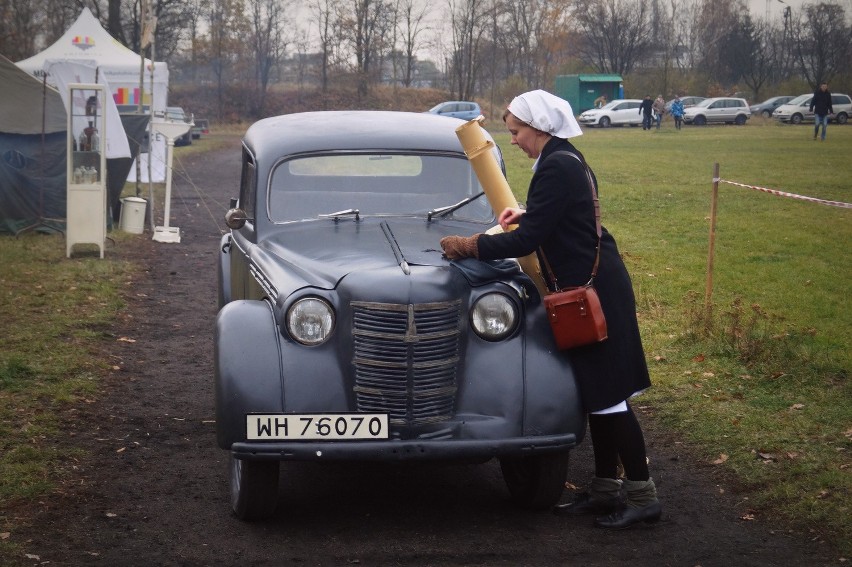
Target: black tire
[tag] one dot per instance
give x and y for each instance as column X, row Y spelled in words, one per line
column 254, row 488
column 536, row 483
column 841, row 118
column 766, row 114
column 604, row 122
column 740, row 120
column 796, row 119
column 699, row 120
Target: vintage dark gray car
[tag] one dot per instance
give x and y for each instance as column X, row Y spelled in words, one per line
column 344, row 334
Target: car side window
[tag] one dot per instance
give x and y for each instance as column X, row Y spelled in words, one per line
column 621, row 106
column 717, row 104
column 248, row 185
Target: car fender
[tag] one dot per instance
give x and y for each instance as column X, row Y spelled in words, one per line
column 551, row 397
column 223, row 271
column 247, row 355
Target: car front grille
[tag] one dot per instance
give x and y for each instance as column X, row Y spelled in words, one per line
column 405, row 360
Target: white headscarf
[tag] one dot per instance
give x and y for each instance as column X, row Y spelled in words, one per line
column 546, row 112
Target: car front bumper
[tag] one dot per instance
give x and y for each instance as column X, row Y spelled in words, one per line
column 405, row 450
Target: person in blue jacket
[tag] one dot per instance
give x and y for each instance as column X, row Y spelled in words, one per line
column 677, row 111
column 559, row 221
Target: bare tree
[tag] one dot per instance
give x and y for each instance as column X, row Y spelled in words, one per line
column 268, row 44
column 716, row 20
column 366, row 24
column 616, row 33
column 411, row 27
column 20, row 23
column 227, row 27
column 468, row 23
column 326, row 14
column 823, row 43
column 749, row 54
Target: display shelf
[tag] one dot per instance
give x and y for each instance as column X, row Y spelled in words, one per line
column 86, row 185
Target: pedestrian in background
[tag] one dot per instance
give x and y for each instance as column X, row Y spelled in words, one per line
column 659, row 107
column 600, row 102
column 821, row 107
column 646, row 109
column 677, row 112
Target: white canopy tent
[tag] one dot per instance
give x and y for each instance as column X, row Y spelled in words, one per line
column 87, row 43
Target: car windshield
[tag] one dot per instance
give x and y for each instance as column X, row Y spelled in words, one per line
column 610, row 105
column 705, row 103
column 374, row 184
column 800, row 99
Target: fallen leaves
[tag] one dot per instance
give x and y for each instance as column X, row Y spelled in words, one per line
column 722, row 458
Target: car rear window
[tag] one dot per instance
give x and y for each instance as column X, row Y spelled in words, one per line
column 375, row 184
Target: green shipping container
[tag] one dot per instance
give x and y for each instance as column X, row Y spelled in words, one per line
column 582, row 90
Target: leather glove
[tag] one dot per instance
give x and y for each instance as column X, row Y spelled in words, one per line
column 457, row 247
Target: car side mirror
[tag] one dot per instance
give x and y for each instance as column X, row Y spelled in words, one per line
column 235, row 219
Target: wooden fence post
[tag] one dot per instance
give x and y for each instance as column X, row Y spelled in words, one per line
column 708, row 292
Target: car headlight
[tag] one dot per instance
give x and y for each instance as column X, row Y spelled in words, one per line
column 310, row 321
column 494, row 316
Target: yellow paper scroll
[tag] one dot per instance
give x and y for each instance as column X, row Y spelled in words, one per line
column 478, row 150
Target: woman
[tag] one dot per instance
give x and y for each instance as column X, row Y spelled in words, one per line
column 560, row 222
column 659, row 109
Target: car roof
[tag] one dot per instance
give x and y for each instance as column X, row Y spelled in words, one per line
column 352, row 130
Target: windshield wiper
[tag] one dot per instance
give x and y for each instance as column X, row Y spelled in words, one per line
column 345, row 213
column 444, row 211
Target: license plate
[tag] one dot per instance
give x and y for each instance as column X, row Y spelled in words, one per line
column 316, row 427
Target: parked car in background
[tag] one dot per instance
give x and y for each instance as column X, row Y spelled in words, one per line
column 768, row 106
column 719, row 110
column 200, row 126
column 615, row 113
column 798, row 110
column 466, row 110
column 177, row 113
column 345, row 335
column 686, row 100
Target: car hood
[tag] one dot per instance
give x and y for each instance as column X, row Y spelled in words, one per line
column 320, row 253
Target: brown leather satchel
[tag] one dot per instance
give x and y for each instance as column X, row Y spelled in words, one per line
column 575, row 313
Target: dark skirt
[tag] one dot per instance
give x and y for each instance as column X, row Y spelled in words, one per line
column 608, row 373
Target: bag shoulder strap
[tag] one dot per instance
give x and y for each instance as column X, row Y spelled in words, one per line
column 597, row 206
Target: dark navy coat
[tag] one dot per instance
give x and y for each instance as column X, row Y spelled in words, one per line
column 560, row 219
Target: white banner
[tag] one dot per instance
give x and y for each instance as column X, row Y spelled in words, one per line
column 64, row 73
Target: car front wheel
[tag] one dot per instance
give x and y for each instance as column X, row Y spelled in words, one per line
column 699, row 121
column 842, row 118
column 796, row 119
column 254, row 488
column 604, row 122
column 536, row 483
column 767, row 114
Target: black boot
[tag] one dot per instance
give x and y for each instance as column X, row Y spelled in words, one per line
column 642, row 506
column 603, row 497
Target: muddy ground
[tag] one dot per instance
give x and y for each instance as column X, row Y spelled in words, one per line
column 152, row 488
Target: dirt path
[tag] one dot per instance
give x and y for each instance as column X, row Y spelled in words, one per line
column 153, row 488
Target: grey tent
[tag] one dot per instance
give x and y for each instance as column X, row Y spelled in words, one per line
column 32, row 152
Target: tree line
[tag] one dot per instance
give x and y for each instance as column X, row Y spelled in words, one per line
column 486, row 49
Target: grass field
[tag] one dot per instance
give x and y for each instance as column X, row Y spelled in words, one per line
column 761, row 388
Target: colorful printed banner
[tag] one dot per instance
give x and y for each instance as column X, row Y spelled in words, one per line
column 126, row 95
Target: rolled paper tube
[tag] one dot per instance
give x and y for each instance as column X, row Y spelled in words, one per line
column 478, row 150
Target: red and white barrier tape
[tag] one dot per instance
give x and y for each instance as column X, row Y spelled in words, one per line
column 785, row 194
